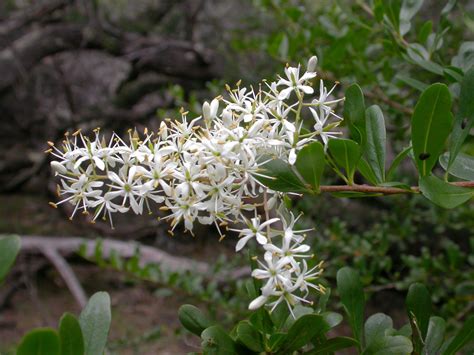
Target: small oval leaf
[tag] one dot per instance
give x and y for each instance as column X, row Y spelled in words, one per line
column 193, row 319
column 430, row 126
column 95, row 323
column 70, row 335
column 43, row 341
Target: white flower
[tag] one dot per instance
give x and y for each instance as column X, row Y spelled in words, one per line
column 128, row 187
column 275, row 270
column 255, row 230
column 206, row 170
column 295, row 83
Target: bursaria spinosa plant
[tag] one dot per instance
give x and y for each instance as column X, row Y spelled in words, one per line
column 210, row 170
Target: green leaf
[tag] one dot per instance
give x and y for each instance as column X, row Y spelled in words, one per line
column 346, row 153
column 70, row 335
column 261, row 320
column 415, row 84
column 216, row 341
column 352, row 297
column 332, row 345
column 298, row 312
column 280, row 177
column 279, row 315
column 376, row 141
column 354, row 113
column 442, row 193
column 462, row 167
column 419, row 309
column 193, row 319
column 463, row 337
column 310, row 164
column 430, row 126
column 9, row 248
column 378, row 339
column 302, row 331
column 250, row 337
column 376, row 327
column 425, row 31
column 396, row 162
column 95, row 323
column 465, row 117
column 367, row 172
column 323, row 300
column 275, row 341
column 43, row 341
column 408, row 10
column 333, row 319
column 435, row 335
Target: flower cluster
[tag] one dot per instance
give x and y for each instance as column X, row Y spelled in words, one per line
column 207, row 169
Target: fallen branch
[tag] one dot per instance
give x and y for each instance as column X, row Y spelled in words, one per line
column 66, row 273
column 148, row 255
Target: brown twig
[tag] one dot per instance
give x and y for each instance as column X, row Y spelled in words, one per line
column 384, row 190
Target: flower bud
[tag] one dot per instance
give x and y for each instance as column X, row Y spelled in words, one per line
column 206, row 110
column 312, row 62
column 58, row 168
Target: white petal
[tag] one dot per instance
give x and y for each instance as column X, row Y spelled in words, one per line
column 58, row 167
column 285, row 93
column 306, row 89
column 242, row 241
column 261, row 239
column 258, row 302
column 292, row 156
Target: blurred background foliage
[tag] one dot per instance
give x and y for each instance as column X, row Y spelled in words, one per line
column 127, row 64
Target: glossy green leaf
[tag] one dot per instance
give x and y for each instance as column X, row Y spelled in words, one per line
column 216, row 341
column 249, row 336
column 435, row 336
column 95, row 323
column 353, row 299
column 193, row 319
column 302, row 331
column 464, row 118
column 332, row 345
column 462, row 167
column 419, row 308
column 70, row 335
column 442, row 193
column 430, row 126
column 310, row 164
column 354, row 113
column 280, row 177
column 463, row 337
column 346, row 153
column 396, row 162
column 43, row 341
column 9, row 248
column 376, row 141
